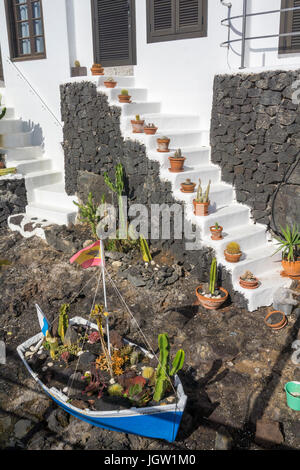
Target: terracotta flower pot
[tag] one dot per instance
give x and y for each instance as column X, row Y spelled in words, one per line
column 216, row 233
column 187, row 187
column 279, row 323
column 137, row 126
column 247, row 284
column 124, row 98
column 232, row 258
column 163, row 145
column 97, row 69
column 110, row 84
column 211, row 303
column 201, row 208
column 291, row 268
column 150, row 130
column 176, row 164
column 2, row 165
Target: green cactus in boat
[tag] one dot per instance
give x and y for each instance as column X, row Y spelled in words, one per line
column 63, row 321
column 134, row 358
column 115, row 390
column 203, row 197
column 213, row 276
column 53, row 343
column 147, row 372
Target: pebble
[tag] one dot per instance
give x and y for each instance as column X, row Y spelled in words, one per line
column 116, row 264
column 44, row 369
column 50, row 364
column 112, row 381
column 80, row 353
column 28, row 354
column 65, row 390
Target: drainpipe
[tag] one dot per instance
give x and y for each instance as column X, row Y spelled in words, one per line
column 244, row 32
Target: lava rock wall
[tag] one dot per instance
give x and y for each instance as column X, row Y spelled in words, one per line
column 255, row 138
column 13, row 199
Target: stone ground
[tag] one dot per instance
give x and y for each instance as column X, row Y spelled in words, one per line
column 235, row 367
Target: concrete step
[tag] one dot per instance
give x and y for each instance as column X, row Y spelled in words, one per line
column 122, row 81
column 195, row 156
column 137, row 94
column 55, row 195
column 204, row 172
column 129, row 109
column 220, row 194
column 179, row 139
column 18, row 139
column 235, row 214
column 8, row 126
column 248, row 237
column 41, row 178
column 23, row 153
column 54, row 214
column 164, row 121
column 29, row 166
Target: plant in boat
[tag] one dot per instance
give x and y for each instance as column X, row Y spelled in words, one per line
column 88, row 213
column 248, row 280
column 53, row 345
column 138, row 396
column 289, row 245
column 233, row 252
column 163, row 372
column 216, row 232
column 115, row 390
column 147, row 372
column 201, row 202
column 177, row 162
column 63, row 321
column 209, row 296
column 96, row 382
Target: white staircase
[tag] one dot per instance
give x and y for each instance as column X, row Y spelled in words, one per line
column 46, row 195
column 185, row 133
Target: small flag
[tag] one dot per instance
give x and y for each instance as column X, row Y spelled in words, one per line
column 88, row 257
column 44, row 324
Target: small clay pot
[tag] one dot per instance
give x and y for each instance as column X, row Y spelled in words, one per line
column 2, row 165
column 97, row 69
column 211, row 303
column 279, row 324
column 110, row 84
column 201, row 208
column 247, row 284
column 291, row 268
column 163, row 145
column 176, row 164
column 232, row 258
column 137, row 126
column 124, row 98
column 216, row 233
column 150, row 130
column 187, row 187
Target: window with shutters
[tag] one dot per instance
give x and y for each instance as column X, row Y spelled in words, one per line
column 26, row 29
column 169, row 20
column 289, row 23
column 114, row 32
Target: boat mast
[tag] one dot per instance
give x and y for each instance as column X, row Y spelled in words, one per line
column 102, row 254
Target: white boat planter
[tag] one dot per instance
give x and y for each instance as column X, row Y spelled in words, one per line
column 160, row 422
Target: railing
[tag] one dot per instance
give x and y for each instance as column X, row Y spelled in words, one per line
column 33, row 90
column 243, row 34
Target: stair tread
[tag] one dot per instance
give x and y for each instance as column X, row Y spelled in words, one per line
column 33, row 160
column 56, row 188
column 215, row 188
column 42, row 173
column 46, row 207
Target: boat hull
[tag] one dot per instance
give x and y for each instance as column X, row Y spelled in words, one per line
column 158, row 422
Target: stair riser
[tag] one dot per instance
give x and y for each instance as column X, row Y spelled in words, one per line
column 123, row 82
column 256, row 266
column 139, row 108
column 60, row 219
column 205, row 175
column 199, row 157
column 11, row 126
column 54, row 199
column 217, row 199
column 38, row 165
column 137, row 94
column 177, row 141
column 252, row 241
column 17, row 140
column 26, row 153
column 33, row 182
column 236, row 219
column 169, row 122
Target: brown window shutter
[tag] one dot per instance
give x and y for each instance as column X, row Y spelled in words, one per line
column 189, row 15
column 162, row 17
column 289, row 23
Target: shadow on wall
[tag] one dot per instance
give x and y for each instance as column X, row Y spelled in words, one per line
column 37, row 132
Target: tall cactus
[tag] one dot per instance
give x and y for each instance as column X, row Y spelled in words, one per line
column 118, row 188
column 213, row 276
column 163, row 371
column 203, row 197
column 145, row 249
column 63, row 321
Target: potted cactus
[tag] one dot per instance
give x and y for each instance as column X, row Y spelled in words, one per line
column 97, row 69
column 233, row 252
column 137, row 125
column 209, row 296
column 201, row 203
column 216, row 232
column 110, row 82
column 77, row 70
column 177, row 162
column 163, row 144
column 150, row 129
column 124, row 97
column 289, row 244
column 187, row 186
column 249, row 281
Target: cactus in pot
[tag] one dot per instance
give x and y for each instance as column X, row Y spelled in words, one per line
column 209, row 296
column 201, row 202
column 137, row 125
column 177, row 162
column 233, row 252
column 110, row 82
column 124, row 97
